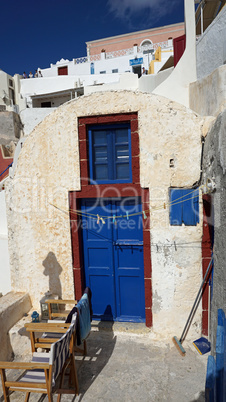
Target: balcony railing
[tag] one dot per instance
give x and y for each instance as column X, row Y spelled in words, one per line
column 153, row 46
column 80, row 60
column 119, row 53
column 123, row 52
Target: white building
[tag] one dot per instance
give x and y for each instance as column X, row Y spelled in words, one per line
column 66, row 79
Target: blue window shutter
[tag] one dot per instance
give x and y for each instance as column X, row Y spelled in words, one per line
column 186, row 207
column 176, row 209
column 110, row 157
column 196, row 205
column 190, row 215
column 187, row 210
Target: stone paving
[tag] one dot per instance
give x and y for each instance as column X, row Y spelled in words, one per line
column 125, row 366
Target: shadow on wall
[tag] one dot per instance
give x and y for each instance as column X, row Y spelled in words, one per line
column 53, row 269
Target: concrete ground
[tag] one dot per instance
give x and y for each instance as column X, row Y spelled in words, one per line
column 124, row 364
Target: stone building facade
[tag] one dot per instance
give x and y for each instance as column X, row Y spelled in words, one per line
column 214, row 166
column 166, row 153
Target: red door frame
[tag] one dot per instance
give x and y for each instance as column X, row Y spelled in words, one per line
column 105, row 191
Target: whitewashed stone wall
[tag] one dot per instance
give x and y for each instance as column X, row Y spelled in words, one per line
column 48, row 167
column 211, row 46
column 5, row 284
column 207, row 96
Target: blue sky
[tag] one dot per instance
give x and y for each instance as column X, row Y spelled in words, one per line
column 35, row 34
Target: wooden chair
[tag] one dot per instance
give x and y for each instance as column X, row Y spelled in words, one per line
column 42, row 335
column 53, row 315
column 38, row 329
column 62, row 314
column 45, row 369
column 50, row 330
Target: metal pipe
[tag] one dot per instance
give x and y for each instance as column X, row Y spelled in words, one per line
column 202, row 18
column 196, row 302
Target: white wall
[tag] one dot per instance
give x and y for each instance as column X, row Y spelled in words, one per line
column 55, row 101
column 41, row 86
column 38, row 86
column 79, row 75
column 147, row 83
column 176, row 86
column 32, row 117
column 208, row 94
column 3, row 86
column 106, row 63
column 20, row 101
column 5, row 98
column 211, row 47
column 127, row 81
column 73, row 68
column 5, row 283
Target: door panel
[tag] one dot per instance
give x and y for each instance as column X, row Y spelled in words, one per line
column 102, row 296
column 98, row 258
column 129, row 300
column 113, row 258
column 129, row 274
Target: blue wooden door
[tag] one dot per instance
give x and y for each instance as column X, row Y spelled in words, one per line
column 113, row 258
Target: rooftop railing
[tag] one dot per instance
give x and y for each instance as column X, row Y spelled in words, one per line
column 80, row 60
column 124, row 52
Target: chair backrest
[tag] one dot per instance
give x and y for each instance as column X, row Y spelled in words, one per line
column 83, row 307
column 70, row 315
column 60, row 350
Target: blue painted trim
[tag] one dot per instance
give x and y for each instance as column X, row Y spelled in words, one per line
column 220, row 362
column 186, row 207
column 215, row 389
column 220, row 317
column 111, row 155
column 210, row 387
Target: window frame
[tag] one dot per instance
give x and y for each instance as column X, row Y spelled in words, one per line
column 110, row 155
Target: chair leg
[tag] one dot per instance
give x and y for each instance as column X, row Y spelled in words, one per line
column 61, row 383
column 4, row 388
column 50, row 397
column 59, row 398
column 27, row 397
column 75, row 374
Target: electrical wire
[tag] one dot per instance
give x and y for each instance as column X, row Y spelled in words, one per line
column 178, row 200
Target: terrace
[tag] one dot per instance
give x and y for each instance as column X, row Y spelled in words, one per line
column 124, row 361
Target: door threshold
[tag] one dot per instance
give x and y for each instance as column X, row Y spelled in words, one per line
column 117, row 326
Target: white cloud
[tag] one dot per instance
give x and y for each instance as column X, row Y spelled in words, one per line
column 148, row 10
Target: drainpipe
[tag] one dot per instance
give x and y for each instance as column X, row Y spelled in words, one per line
column 197, row 184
